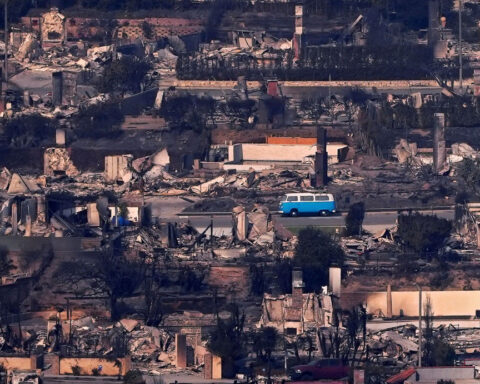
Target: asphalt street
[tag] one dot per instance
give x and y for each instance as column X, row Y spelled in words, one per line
column 80, row 380
column 374, row 221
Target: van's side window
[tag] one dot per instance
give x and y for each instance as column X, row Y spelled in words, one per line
column 321, row 198
column 292, row 198
column 306, row 198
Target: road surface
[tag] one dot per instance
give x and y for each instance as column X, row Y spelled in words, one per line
column 80, row 380
column 373, row 222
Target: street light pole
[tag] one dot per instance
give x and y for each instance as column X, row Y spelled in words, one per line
column 460, row 53
column 419, row 326
column 5, row 63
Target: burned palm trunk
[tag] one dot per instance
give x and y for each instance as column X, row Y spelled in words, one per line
column 439, row 146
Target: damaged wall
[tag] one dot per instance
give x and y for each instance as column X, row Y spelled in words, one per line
column 233, row 280
column 29, row 48
column 283, row 152
column 64, row 87
column 444, row 303
column 87, row 364
column 19, row 362
column 56, row 161
column 282, row 312
column 52, row 28
column 75, row 28
column 117, row 168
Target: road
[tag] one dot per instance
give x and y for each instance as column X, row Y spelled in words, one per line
column 374, row 221
column 79, row 380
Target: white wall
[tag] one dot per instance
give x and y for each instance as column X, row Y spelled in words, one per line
column 247, row 167
column 444, row 303
column 133, row 213
column 278, row 152
column 433, row 374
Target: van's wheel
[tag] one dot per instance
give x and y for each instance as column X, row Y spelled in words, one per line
column 323, row 213
column 294, row 213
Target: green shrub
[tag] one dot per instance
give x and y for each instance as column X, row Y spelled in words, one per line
column 423, row 233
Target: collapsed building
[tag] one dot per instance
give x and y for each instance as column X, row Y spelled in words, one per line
column 301, row 312
column 78, row 214
column 56, row 29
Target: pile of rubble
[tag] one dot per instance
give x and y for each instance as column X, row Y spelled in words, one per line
column 265, row 181
column 254, row 232
column 463, row 341
column 342, row 176
column 87, row 337
column 398, row 346
column 360, row 251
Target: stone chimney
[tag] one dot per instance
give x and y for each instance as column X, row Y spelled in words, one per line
column 389, row 301
column 298, row 37
column 297, row 288
column 335, row 281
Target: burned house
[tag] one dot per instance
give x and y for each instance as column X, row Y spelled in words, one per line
column 57, row 29
column 52, row 29
column 299, row 312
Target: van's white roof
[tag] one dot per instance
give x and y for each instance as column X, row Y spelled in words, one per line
column 310, row 194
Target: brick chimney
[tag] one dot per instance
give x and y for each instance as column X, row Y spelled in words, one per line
column 272, row 87
column 389, row 301
column 297, row 288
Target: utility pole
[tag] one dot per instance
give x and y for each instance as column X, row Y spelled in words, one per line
column 460, row 53
column 419, row 326
column 5, row 11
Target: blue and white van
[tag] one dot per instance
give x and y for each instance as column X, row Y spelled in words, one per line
column 295, row 204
